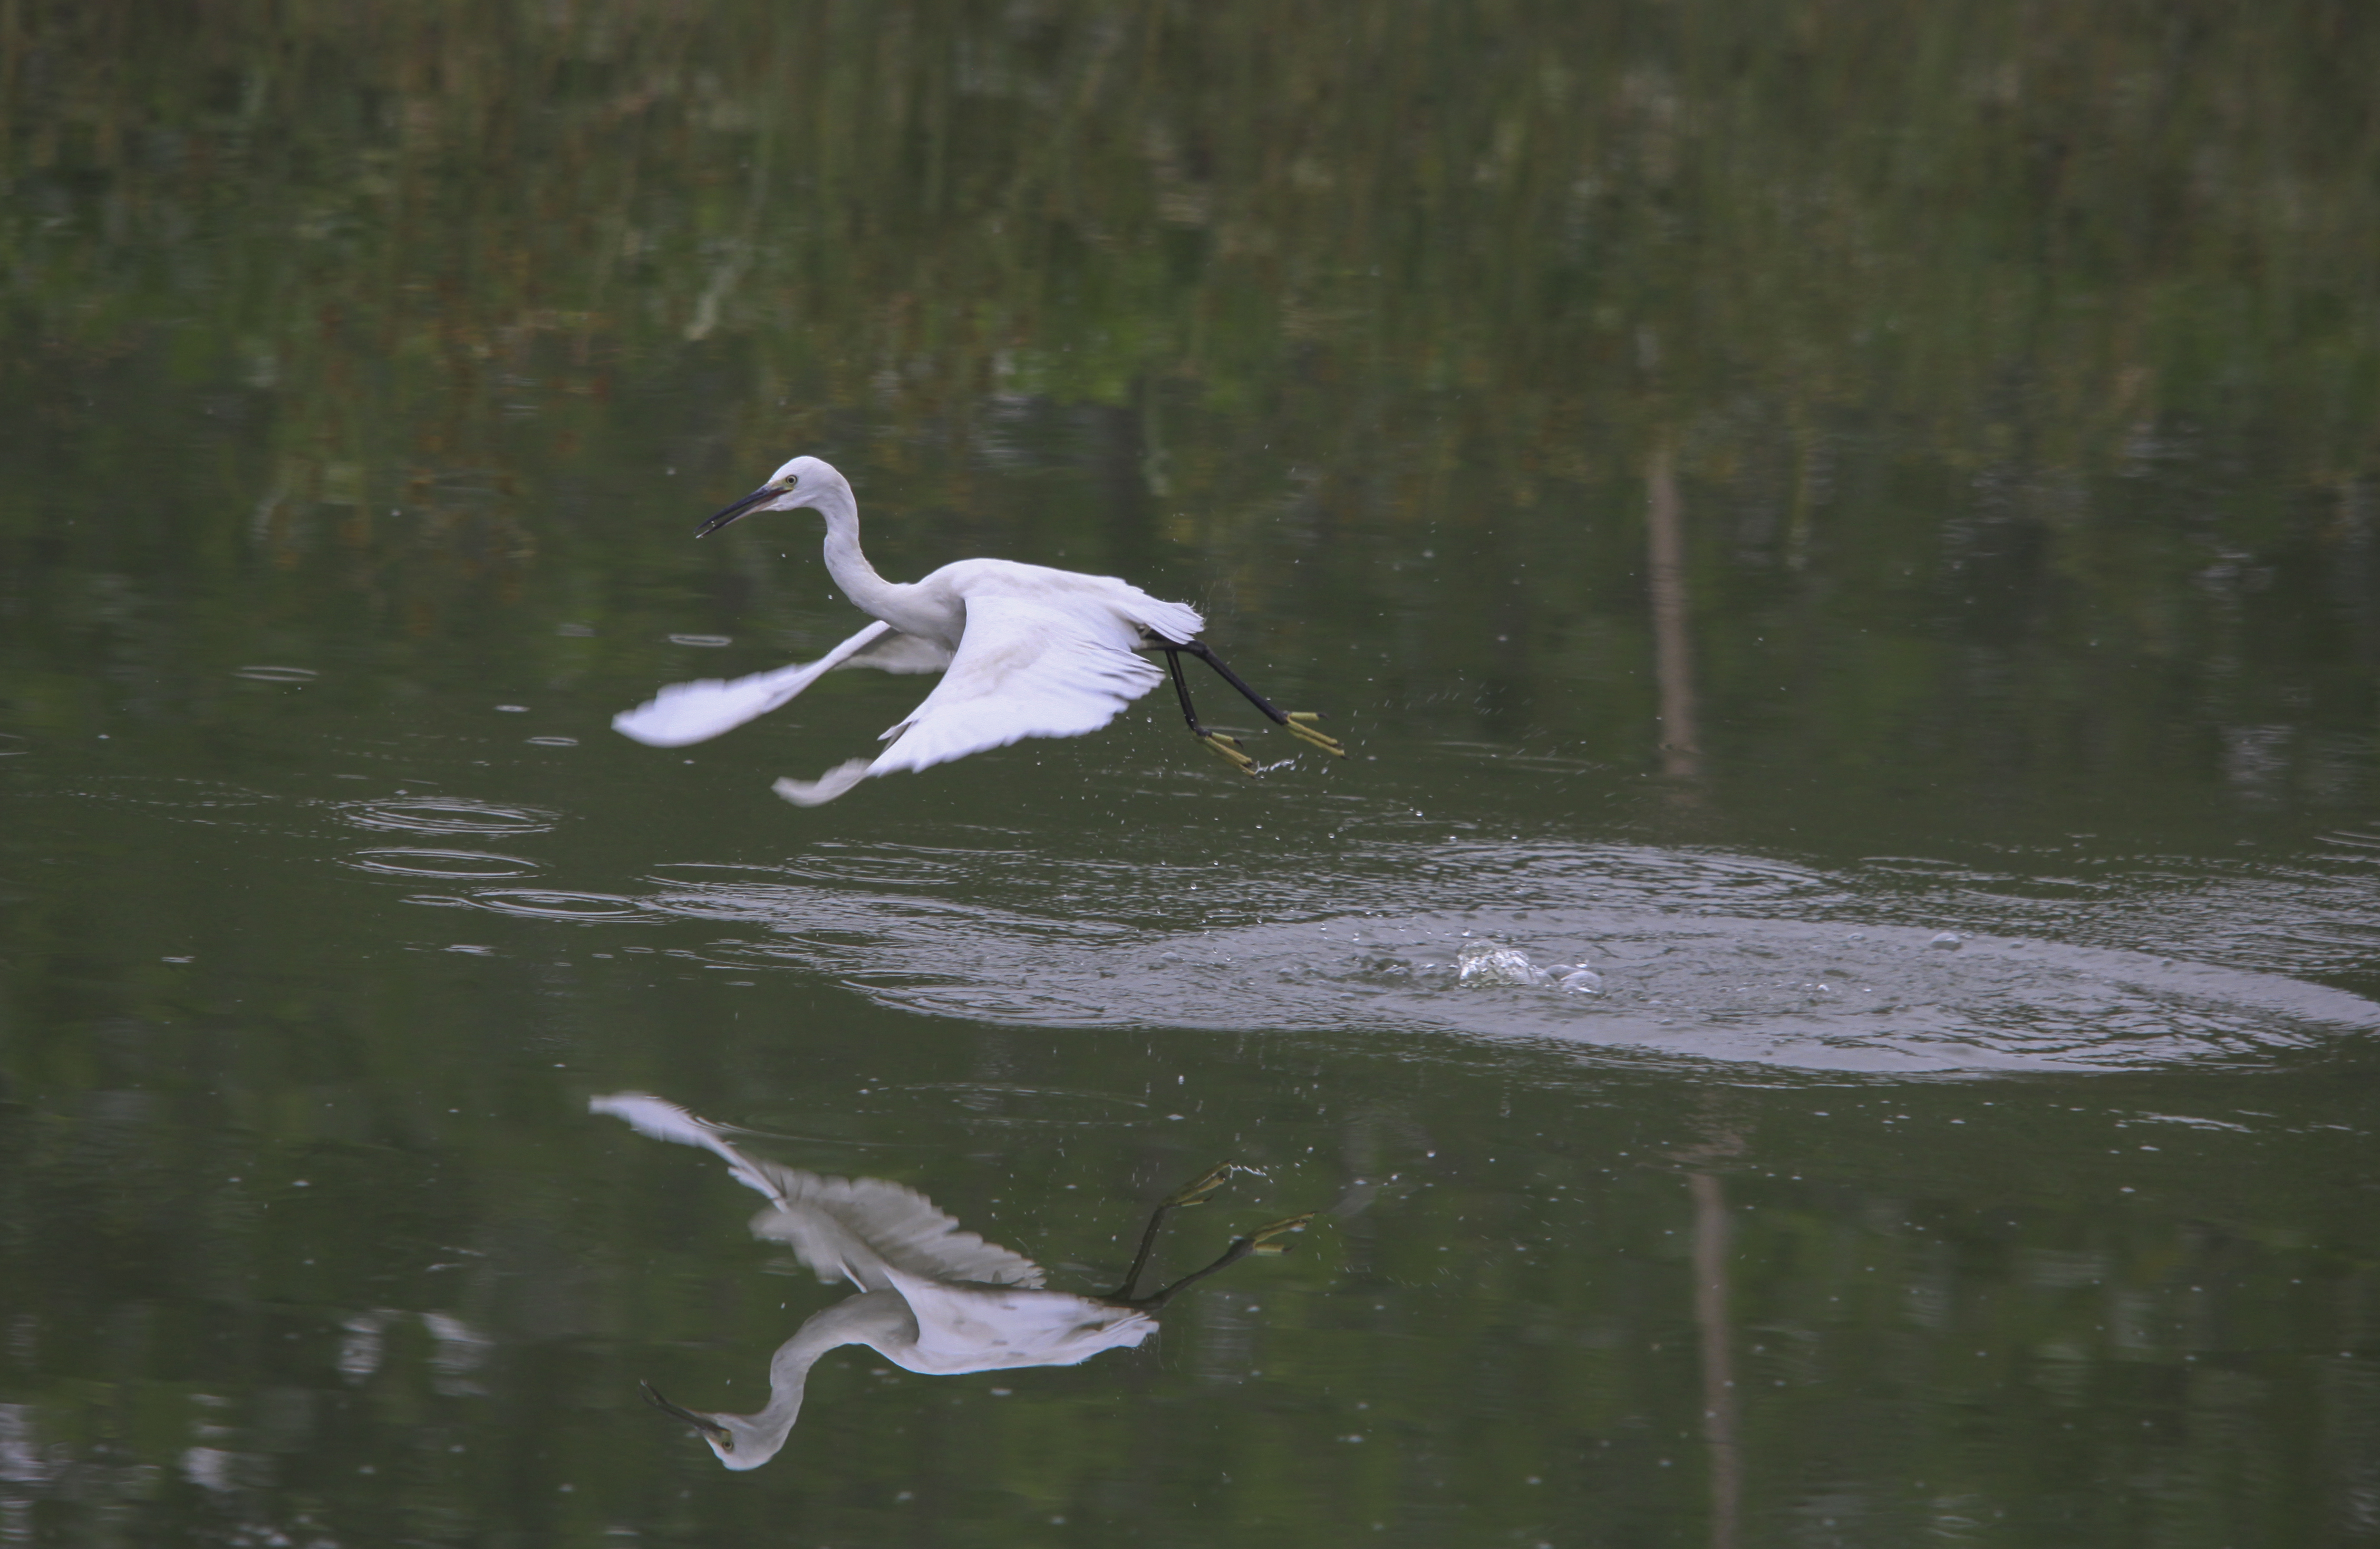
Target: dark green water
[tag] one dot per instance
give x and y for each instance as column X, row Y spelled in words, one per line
column 1759, row 487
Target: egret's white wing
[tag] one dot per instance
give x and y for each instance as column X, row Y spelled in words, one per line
column 1025, row 667
column 865, row 1229
column 826, row 787
column 695, row 711
column 969, row 1328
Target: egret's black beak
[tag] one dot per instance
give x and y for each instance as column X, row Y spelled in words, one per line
column 703, row 1423
column 743, row 507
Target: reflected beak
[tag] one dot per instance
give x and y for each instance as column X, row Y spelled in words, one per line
column 743, row 507
column 703, row 1423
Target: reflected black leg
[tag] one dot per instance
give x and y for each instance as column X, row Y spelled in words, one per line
column 1191, row 1193
column 1264, row 1239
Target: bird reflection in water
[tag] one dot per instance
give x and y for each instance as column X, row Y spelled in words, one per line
column 932, row 1300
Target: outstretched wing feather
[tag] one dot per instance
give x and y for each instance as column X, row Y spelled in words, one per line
column 1024, row 668
column 695, row 711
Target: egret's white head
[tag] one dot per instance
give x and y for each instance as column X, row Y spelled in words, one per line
column 739, row 1441
column 800, row 481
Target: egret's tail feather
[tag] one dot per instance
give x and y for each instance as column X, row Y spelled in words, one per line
column 1173, row 621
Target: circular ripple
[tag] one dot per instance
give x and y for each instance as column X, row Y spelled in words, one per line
column 11, row 745
column 466, row 865
column 267, row 674
column 709, row 874
column 445, row 815
column 710, row 641
column 1876, row 999
column 543, row 904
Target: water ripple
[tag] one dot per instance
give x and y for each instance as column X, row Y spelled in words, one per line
column 445, row 815
column 547, row 904
column 460, row 864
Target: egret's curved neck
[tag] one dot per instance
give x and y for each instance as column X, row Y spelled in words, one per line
column 872, row 1318
column 849, row 567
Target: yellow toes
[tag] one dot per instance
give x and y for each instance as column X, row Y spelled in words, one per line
column 1195, row 1192
column 1229, row 747
column 1301, row 724
column 1264, row 1239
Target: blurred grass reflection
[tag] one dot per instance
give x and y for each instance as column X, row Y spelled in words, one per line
column 2009, row 351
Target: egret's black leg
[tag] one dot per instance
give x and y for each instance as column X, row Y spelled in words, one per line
column 1194, row 1192
column 1264, row 1239
column 1229, row 747
column 1299, row 722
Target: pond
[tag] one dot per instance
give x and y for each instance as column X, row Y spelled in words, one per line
column 1832, row 1000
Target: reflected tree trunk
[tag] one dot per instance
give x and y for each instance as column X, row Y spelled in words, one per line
column 1674, row 666
column 1712, row 1323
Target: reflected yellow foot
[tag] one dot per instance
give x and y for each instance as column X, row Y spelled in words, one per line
column 1229, row 747
column 1196, row 1192
column 1265, row 1239
column 1301, row 724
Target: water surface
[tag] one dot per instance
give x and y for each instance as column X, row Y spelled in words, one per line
column 1855, row 523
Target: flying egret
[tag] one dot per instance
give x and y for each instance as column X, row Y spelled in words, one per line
column 932, row 1300
column 1030, row 652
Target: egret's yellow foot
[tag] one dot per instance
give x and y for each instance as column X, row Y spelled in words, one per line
column 1196, row 1192
column 1229, row 747
column 1265, row 1239
column 1301, row 724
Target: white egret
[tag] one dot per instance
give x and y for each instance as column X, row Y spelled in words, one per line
column 1029, row 651
column 933, row 1299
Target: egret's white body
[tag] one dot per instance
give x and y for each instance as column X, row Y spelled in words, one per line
column 1025, row 649
column 933, row 1299
column 1028, row 650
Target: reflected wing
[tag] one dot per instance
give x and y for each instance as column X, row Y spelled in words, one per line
column 665, row 1120
column 844, row 1228
column 856, row 1229
column 1025, row 668
column 685, row 713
